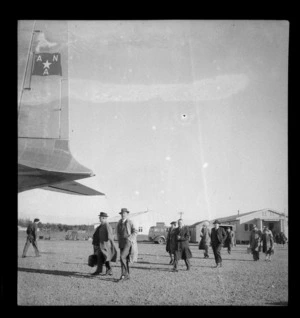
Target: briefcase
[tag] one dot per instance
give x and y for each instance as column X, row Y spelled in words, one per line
column 92, row 260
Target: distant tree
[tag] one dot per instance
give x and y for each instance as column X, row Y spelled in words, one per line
column 24, row 222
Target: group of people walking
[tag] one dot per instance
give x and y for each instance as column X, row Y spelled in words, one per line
column 177, row 243
column 105, row 249
column 261, row 241
column 217, row 237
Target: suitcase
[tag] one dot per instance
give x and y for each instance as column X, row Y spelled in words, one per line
column 92, row 260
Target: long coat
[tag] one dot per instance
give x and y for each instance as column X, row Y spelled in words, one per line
column 267, row 242
column 217, row 236
column 32, row 232
column 105, row 245
column 131, row 236
column 171, row 241
column 182, row 250
column 204, row 238
column 229, row 240
column 255, row 239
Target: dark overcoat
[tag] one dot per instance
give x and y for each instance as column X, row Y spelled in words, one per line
column 255, row 240
column 229, row 240
column 220, row 236
column 105, row 245
column 182, row 250
column 171, row 241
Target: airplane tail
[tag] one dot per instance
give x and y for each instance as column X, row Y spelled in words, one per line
column 44, row 155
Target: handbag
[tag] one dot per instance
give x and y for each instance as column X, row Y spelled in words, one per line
column 92, row 260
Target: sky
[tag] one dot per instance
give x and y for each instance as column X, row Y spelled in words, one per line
column 172, row 116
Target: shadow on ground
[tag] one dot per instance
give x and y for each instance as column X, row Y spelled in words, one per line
column 55, row 272
column 280, row 303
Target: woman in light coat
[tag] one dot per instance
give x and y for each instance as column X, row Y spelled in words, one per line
column 204, row 239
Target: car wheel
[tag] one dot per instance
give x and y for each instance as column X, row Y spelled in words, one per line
column 161, row 240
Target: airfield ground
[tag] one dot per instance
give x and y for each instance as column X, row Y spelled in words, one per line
column 61, row 276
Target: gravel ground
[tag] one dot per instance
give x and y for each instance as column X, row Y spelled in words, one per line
column 62, row 277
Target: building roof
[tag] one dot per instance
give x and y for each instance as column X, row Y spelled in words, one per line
column 197, row 223
column 237, row 216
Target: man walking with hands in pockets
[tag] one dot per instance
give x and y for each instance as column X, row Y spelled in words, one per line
column 218, row 236
column 127, row 234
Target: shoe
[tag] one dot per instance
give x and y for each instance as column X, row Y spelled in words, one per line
column 171, row 262
column 109, row 272
column 23, row 256
column 188, row 268
column 174, row 270
column 96, row 273
column 217, row 266
column 124, row 277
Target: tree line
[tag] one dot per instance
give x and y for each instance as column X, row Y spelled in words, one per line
column 56, row 227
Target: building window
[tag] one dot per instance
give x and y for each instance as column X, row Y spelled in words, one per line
column 246, row 227
column 140, row 229
column 250, row 227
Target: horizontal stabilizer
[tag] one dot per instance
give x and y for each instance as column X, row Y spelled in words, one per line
column 72, row 187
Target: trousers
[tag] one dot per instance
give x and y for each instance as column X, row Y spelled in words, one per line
column 124, row 258
column 34, row 244
column 206, row 250
column 217, row 252
column 255, row 254
column 101, row 262
column 187, row 263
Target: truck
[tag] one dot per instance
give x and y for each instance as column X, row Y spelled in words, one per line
column 158, row 233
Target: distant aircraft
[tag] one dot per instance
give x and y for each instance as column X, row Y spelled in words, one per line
column 44, row 157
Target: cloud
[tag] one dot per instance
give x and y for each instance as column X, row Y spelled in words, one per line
column 217, row 88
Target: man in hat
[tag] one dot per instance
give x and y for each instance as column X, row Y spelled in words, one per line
column 127, row 237
column 218, row 236
column 104, row 246
column 229, row 241
column 171, row 242
column 182, row 249
column 31, row 238
column 255, row 242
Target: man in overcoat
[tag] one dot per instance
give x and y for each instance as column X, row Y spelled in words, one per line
column 267, row 243
column 171, row 242
column 104, row 246
column 127, row 237
column 229, row 241
column 205, row 239
column 31, row 238
column 255, row 242
column 182, row 250
column 218, row 236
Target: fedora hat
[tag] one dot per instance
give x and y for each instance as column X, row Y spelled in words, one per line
column 103, row 214
column 174, row 222
column 217, row 221
column 36, row 220
column 123, row 210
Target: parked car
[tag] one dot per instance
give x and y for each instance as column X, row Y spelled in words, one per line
column 158, row 234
